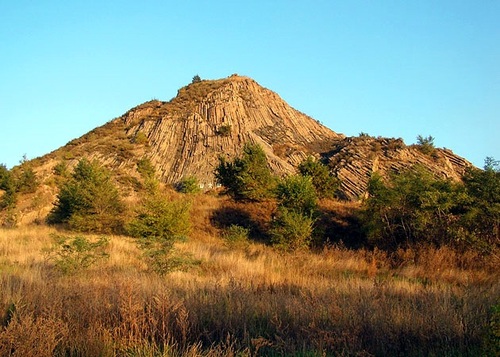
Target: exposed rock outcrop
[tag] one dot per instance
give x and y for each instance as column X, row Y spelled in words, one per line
column 185, row 137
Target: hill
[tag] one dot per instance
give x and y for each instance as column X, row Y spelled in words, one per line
column 211, row 118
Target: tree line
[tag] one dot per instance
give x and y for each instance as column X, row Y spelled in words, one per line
column 407, row 208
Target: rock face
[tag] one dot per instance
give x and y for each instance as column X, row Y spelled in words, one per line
column 212, row 118
column 354, row 159
column 185, row 136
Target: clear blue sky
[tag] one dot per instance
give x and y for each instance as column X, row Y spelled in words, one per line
column 388, row 68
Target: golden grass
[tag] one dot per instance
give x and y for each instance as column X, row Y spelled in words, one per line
column 247, row 300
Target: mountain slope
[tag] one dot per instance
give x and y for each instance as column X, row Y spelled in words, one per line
column 207, row 119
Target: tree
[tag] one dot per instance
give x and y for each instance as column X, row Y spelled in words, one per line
column 291, row 230
column 7, row 184
column 196, row 79
column 324, row 182
column 426, row 144
column 481, row 206
column 189, row 184
column 158, row 223
column 297, row 193
column 412, row 207
column 88, row 201
column 292, row 227
column 247, row 177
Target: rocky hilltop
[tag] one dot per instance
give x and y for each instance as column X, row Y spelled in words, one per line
column 186, row 135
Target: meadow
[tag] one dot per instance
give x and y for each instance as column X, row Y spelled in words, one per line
column 244, row 299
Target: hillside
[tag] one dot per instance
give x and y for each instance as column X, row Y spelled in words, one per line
column 211, row 118
column 207, row 119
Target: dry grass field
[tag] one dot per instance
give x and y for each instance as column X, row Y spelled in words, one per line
column 245, row 299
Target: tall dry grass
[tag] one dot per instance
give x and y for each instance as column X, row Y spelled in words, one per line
column 245, row 300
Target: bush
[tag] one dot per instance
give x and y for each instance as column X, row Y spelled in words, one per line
column 189, row 184
column 413, row 207
column 146, row 168
column 297, row 193
column 196, row 79
column 426, row 144
column 89, row 201
column 158, row 223
column 224, row 130
column 291, row 230
column 236, row 234
column 247, row 177
column 72, row 254
column 7, row 184
column 324, row 182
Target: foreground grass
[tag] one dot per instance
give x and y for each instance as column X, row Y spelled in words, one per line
column 245, row 300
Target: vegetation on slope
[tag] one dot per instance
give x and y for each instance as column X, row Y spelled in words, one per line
column 423, row 279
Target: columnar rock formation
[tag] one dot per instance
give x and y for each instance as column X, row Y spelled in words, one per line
column 207, row 119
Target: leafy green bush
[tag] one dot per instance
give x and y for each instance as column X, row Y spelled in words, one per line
column 7, row 184
column 412, row 207
column 89, row 201
column 416, row 207
column 72, row 254
column 247, row 177
column 158, row 223
column 426, row 144
column 146, row 168
column 189, row 184
column 291, row 230
column 236, row 234
column 297, row 193
column 324, row 182
column 224, row 130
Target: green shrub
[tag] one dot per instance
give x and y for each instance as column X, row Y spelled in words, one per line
column 236, row 234
column 158, row 223
column 7, row 185
column 297, row 193
column 224, row 130
column 89, row 201
column 146, row 168
column 72, row 254
column 426, row 144
column 291, row 230
column 189, row 184
column 324, row 182
column 247, row 177
column 141, row 138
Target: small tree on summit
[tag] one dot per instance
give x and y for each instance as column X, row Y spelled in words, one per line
column 426, row 144
column 196, row 79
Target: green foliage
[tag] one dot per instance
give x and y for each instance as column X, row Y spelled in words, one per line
column 480, row 222
column 236, row 234
column 146, row 168
column 27, row 181
column 7, row 184
column 426, row 144
column 492, row 340
column 72, row 254
column 416, row 207
column 324, row 182
column 224, row 130
column 157, row 224
column 141, row 138
column 413, row 207
column 158, row 218
column 88, row 201
column 196, row 79
column 61, row 169
column 189, row 184
column 291, row 230
column 297, row 193
column 247, row 177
